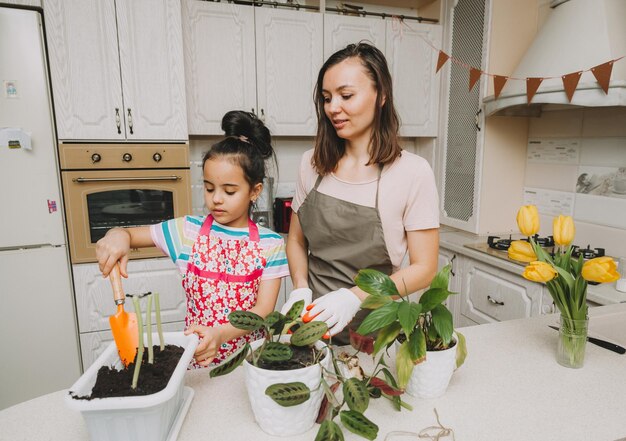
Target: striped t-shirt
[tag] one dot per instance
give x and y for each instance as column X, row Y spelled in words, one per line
column 176, row 237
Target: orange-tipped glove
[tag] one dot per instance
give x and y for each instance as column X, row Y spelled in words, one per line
column 337, row 309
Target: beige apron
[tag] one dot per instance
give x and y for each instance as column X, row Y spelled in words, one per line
column 342, row 237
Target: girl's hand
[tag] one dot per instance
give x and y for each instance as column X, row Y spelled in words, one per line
column 210, row 342
column 113, row 247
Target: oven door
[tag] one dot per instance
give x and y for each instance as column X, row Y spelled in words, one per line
column 96, row 201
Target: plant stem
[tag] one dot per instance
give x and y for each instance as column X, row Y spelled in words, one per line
column 139, row 358
column 149, row 329
column 157, row 307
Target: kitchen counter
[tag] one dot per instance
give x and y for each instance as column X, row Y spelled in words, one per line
column 510, row 388
column 455, row 240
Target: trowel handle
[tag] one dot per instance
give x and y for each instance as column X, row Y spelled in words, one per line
column 116, row 284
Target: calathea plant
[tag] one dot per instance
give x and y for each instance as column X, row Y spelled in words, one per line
column 274, row 353
column 421, row 326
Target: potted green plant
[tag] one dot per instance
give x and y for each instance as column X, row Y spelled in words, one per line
column 289, row 392
column 428, row 349
column 119, row 404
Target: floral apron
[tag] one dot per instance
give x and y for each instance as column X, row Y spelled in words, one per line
column 223, row 275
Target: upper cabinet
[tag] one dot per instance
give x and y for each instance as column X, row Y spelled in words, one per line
column 241, row 57
column 341, row 30
column 412, row 62
column 117, row 69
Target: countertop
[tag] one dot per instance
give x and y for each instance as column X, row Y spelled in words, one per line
column 455, row 240
column 510, row 388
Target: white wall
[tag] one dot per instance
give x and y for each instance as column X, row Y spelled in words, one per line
column 602, row 135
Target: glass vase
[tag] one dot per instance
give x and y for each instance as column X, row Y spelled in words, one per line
column 572, row 342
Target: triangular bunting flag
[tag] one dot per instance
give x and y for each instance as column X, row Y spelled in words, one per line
column 532, row 84
column 498, row 83
column 602, row 73
column 474, row 76
column 443, row 57
column 570, row 81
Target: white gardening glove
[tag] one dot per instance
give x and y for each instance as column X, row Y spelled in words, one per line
column 337, row 309
column 295, row 296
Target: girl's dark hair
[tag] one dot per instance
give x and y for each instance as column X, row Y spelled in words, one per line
column 384, row 147
column 248, row 143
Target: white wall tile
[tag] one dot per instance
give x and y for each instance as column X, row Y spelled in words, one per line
column 557, row 124
column 604, row 121
column 610, row 152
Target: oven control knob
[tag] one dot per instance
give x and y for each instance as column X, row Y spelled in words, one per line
column 157, row 157
column 95, row 158
column 127, row 157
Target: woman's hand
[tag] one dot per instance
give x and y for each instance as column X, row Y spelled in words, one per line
column 113, row 247
column 210, row 342
column 337, row 309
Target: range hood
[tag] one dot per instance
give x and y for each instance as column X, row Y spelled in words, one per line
column 577, row 35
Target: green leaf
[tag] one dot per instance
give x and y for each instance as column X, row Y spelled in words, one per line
column 231, row 363
column 275, row 351
column 288, row 394
column 357, row 423
column 442, row 278
column 356, row 395
column 376, row 283
column 329, row 431
column 308, row 333
column 375, row 301
column 386, row 336
column 246, row 320
column 442, row 321
column 295, row 311
column 417, row 346
column 567, row 277
column 432, row 298
column 275, row 321
column 404, row 364
column 461, row 349
column 379, row 318
column 408, row 314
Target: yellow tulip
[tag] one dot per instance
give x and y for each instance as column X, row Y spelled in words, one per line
column 522, row 251
column 528, row 220
column 601, row 270
column 539, row 272
column 563, row 230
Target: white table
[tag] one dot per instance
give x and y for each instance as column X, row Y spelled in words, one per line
column 510, row 388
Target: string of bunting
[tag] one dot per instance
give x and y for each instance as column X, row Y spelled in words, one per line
column 602, row 73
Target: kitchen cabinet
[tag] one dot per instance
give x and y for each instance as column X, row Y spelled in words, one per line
column 117, row 69
column 412, row 62
column 258, row 71
column 341, row 30
column 94, row 300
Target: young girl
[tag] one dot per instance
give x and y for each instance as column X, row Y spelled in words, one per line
column 361, row 201
column 228, row 263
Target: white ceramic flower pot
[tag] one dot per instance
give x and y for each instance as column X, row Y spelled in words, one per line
column 430, row 378
column 273, row 418
column 149, row 417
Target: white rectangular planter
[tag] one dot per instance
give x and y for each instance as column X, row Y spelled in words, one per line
column 148, row 417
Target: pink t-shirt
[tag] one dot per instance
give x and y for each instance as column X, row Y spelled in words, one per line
column 407, row 199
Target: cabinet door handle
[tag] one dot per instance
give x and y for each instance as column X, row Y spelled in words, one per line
column 262, row 115
column 118, row 122
column 130, row 121
column 253, row 112
column 494, row 301
column 478, row 119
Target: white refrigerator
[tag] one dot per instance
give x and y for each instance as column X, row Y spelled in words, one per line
column 39, row 351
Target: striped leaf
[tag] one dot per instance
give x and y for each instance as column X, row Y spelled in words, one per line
column 275, row 351
column 308, row 333
column 246, row 320
column 356, row 395
column 288, row 394
column 357, row 423
column 231, row 363
column 329, row 431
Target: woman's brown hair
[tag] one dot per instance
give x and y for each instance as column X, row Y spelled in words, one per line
column 384, row 146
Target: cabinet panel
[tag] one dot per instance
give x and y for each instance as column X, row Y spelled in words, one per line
column 412, row 63
column 340, row 30
column 490, row 294
column 289, row 55
column 84, row 68
column 220, row 68
column 151, row 59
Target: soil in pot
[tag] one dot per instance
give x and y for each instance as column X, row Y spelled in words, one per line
column 303, row 356
column 152, row 378
column 401, row 338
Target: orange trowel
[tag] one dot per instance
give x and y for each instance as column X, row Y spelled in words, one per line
column 123, row 324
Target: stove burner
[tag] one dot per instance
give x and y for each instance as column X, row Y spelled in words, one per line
column 504, row 244
column 544, row 242
column 587, row 253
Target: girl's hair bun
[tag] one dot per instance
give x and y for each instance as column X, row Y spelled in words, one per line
column 239, row 123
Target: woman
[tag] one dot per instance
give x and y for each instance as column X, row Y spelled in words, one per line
column 361, row 201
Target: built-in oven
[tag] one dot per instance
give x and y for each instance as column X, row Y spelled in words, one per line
column 121, row 185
